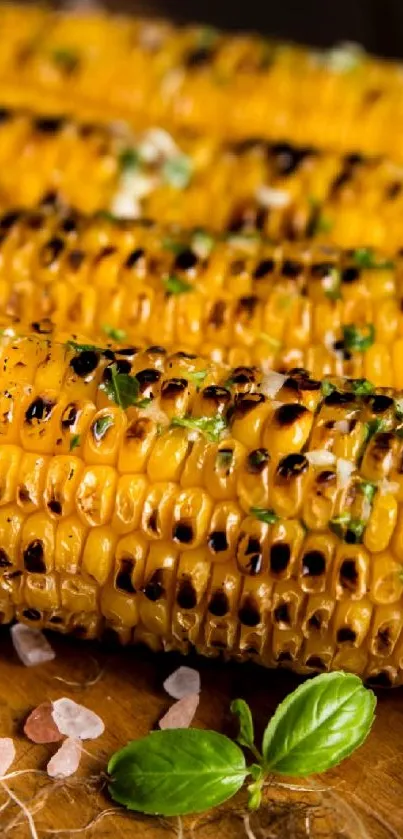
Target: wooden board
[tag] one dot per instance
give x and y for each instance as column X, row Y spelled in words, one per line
column 366, row 790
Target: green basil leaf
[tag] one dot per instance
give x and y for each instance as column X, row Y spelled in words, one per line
column 246, row 734
column 176, row 772
column 318, row 725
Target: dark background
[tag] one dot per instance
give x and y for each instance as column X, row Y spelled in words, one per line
column 378, row 24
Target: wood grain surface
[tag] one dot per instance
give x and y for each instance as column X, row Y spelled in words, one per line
column 362, row 798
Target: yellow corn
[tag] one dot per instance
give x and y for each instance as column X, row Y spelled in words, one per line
column 240, row 86
column 239, row 299
column 141, row 498
column 283, row 191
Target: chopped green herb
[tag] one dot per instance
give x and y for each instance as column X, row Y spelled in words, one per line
column 84, row 347
column 101, row 426
column 176, row 285
column 67, row 59
column 129, row 159
column 173, row 245
column 114, row 333
column 75, row 442
column 368, row 489
column 347, row 528
column 365, row 258
column 225, row 458
column 105, row 215
column 197, row 377
column 267, row 516
column 362, row 387
column 358, row 338
column 212, row 427
column 327, row 387
column 177, row 171
column 373, row 426
column 123, row 389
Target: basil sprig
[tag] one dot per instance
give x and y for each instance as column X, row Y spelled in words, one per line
column 176, row 772
column 181, row 771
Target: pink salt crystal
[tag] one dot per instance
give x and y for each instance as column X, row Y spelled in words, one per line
column 75, row 720
column 182, row 712
column 66, row 760
column 40, row 726
column 182, row 682
column 7, row 754
column 31, row 645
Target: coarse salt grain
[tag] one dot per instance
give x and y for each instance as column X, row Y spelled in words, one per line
column 40, row 726
column 66, row 760
column 31, row 645
column 182, row 682
column 181, row 714
column 7, row 754
column 75, row 720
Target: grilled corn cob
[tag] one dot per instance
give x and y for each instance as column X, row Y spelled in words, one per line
column 239, row 86
column 284, row 191
column 238, row 299
column 183, row 503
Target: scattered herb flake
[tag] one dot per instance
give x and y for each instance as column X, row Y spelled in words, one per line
column 84, row 347
column 212, row 427
column 267, row 516
column 114, row 333
column 75, row 442
column 177, row 171
column 176, row 285
column 101, row 426
column 358, row 338
column 373, row 426
column 129, row 159
column 327, row 387
column 123, row 389
column 349, row 529
column 362, row 387
column 368, row 489
column 197, row 377
column 173, row 245
column 66, row 59
column 365, row 258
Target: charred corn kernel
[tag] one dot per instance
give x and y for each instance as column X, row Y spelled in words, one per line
column 353, row 340
column 386, row 627
column 277, row 549
column 351, row 623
